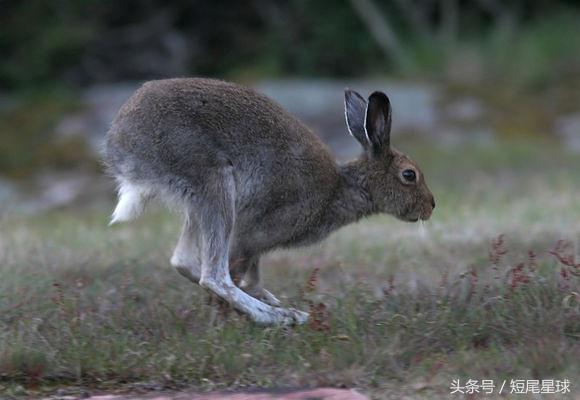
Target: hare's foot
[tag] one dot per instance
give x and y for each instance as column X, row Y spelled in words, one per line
column 221, row 310
column 298, row 317
column 262, row 294
column 258, row 311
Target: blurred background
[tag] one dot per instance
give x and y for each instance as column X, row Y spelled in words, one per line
column 459, row 73
column 486, row 98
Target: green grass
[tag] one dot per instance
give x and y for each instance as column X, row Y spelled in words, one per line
column 405, row 312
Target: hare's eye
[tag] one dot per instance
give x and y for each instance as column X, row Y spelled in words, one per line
column 409, row 175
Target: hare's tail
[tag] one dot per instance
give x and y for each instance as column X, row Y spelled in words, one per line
column 132, row 200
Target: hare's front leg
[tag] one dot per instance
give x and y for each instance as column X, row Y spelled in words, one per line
column 247, row 272
column 252, row 284
column 216, row 215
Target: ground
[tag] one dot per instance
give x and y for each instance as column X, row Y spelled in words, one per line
column 486, row 290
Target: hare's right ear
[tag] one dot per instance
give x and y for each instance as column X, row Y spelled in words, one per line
column 378, row 122
column 355, row 107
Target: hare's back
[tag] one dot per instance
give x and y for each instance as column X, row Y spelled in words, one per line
column 184, row 126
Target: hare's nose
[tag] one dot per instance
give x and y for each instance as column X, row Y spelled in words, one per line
column 432, row 202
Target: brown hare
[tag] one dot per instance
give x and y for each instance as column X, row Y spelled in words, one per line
column 251, row 178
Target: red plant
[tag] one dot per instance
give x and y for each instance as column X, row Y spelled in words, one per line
column 532, row 260
column 58, row 298
column 319, row 317
column 565, row 254
column 498, row 250
column 472, row 282
column 518, row 276
column 312, row 281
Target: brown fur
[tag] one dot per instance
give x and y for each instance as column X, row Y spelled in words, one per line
column 251, row 177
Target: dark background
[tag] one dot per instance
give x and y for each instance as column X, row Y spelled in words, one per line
column 85, row 42
column 457, row 72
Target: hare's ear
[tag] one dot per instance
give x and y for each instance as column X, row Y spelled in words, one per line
column 354, row 112
column 378, row 122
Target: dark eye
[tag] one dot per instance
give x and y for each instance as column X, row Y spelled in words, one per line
column 409, row 175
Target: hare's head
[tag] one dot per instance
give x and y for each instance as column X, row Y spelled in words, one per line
column 395, row 183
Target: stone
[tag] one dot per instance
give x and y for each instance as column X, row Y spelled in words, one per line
column 568, row 129
column 283, row 394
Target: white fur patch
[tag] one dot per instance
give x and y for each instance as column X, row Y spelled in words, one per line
column 132, row 199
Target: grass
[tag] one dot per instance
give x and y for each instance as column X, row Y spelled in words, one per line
column 397, row 310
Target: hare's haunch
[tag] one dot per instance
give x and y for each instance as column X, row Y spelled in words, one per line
column 250, row 178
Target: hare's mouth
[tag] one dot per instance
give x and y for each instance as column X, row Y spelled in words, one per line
column 407, row 218
column 415, row 215
column 422, row 217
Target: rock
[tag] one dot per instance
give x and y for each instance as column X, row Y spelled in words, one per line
column 452, row 136
column 53, row 190
column 319, row 394
column 307, row 394
column 465, row 109
column 317, row 102
column 99, row 106
column 320, row 104
column 568, row 129
column 149, row 386
column 9, row 196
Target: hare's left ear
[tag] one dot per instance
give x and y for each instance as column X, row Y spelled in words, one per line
column 378, row 122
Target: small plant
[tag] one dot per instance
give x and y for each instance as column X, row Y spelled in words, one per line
column 319, row 319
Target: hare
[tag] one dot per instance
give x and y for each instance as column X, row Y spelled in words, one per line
column 251, row 178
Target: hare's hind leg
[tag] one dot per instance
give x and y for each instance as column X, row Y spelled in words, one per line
column 216, row 214
column 186, row 256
